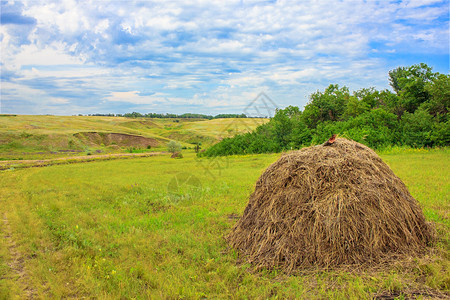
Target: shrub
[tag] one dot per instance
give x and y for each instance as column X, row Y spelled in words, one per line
column 416, row 115
column 440, row 135
column 416, row 128
column 177, row 155
column 173, row 147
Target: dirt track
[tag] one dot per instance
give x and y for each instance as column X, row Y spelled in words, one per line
column 16, row 262
column 7, row 164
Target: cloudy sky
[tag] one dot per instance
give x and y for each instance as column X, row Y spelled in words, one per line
column 69, row 57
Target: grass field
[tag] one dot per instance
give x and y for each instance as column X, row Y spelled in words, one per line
column 123, row 229
column 37, row 137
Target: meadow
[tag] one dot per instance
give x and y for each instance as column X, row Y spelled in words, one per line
column 150, row 228
column 38, row 137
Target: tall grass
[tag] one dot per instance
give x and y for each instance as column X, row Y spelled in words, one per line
column 113, row 229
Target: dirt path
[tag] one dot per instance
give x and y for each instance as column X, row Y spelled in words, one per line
column 6, row 164
column 16, row 262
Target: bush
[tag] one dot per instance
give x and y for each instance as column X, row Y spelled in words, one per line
column 177, row 155
column 440, row 135
column 376, row 129
column 416, row 128
column 416, row 115
column 173, row 147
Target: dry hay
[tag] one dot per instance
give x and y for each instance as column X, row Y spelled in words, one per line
column 329, row 206
column 176, row 155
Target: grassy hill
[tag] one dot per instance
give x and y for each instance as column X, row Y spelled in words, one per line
column 34, row 137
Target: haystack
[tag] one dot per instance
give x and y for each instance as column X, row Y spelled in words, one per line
column 327, row 206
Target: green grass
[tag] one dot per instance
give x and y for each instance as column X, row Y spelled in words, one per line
column 423, row 172
column 112, row 230
column 34, row 137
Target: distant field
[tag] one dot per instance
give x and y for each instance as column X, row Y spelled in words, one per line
column 125, row 229
column 38, row 137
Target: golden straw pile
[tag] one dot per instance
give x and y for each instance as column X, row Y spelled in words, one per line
column 328, row 206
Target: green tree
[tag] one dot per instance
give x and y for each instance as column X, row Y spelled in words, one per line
column 173, row 146
column 368, row 96
column 376, row 128
column 283, row 124
column 417, row 128
column 390, row 102
column 415, row 114
column 409, row 84
column 440, row 135
column 329, row 105
column 439, row 89
column 301, row 135
column 355, row 107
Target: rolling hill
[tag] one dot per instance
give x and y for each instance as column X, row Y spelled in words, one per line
column 34, row 137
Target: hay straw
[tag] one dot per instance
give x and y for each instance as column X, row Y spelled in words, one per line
column 326, row 206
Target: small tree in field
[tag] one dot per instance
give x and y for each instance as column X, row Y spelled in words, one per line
column 173, row 147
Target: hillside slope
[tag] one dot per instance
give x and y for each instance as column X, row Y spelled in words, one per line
column 26, row 137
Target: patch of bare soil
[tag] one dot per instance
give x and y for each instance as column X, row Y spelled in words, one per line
column 119, row 139
column 16, row 262
column 6, row 164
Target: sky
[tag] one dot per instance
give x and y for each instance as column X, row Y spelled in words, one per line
column 70, row 57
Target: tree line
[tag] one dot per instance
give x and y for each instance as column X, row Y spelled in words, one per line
column 414, row 114
column 171, row 116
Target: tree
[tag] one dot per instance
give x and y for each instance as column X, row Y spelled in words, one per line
column 440, row 135
column 417, row 128
column 395, row 76
column 375, row 128
column 329, row 105
column 415, row 114
column 409, row 84
column 439, row 90
column 390, row 102
column 355, row 107
column 133, row 115
column 173, row 147
column 282, row 124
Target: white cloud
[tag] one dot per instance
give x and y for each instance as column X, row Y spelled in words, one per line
column 69, row 71
column 418, row 3
column 134, row 97
column 59, row 101
column 131, row 97
column 51, row 55
column 213, row 53
column 69, row 16
column 101, row 27
column 422, row 15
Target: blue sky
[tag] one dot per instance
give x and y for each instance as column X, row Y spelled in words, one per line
column 69, row 57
